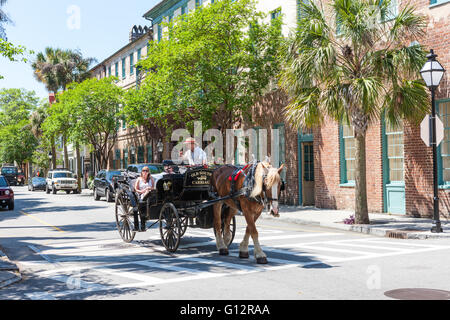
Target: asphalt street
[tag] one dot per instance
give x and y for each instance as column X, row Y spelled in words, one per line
column 67, row 247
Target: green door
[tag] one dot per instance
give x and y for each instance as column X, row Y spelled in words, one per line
column 393, row 169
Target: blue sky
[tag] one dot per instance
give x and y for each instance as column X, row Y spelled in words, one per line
column 97, row 27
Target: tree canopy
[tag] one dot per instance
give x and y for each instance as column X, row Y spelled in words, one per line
column 88, row 111
column 210, row 66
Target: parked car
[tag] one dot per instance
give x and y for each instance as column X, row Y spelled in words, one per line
column 11, row 174
column 6, row 194
column 104, row 184
column 37, row 183
column 61, row 179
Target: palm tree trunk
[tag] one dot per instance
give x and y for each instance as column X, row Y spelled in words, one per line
column 361, row 209
column 78, row 166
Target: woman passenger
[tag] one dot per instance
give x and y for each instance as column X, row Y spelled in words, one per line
column 144, row 184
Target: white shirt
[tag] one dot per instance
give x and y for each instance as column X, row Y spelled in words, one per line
column 197, row 159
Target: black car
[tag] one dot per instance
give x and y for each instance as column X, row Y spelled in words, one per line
column 37, row 183
column 11, row 174
column 104, row 185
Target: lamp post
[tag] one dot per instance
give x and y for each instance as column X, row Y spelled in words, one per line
column 432, row 73
column 160, row 148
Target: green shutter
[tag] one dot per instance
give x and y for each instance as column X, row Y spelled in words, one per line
column 132, row 63
column 124, row 74
column 149, row 153
column 433, row 1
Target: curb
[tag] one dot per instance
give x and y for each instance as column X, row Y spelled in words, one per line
column 9, row 272
column 380, row 232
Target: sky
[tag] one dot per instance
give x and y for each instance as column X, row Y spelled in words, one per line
column 96, row 27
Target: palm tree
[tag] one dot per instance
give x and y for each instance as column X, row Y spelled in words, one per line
column 354, row 65
column 56, row 68
column 3, row 19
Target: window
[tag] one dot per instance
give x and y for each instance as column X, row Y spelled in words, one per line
column 281, row 148
column 159, row 32
column 347, row 153
column 149, row 153
column 117, row 160
column 391, row 12
column 117, row 69
column 124, row 74
column 131, row 63
column 109, row 71
column 275, row 13
column 140, row 155
column 125, row 158
column 198, row 3
column 309, row 162
column 184, row 9
column 438, row 1
column 395, row 159
column 443, row 108
column 139, row 54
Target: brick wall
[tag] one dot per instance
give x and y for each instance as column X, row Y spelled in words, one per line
column 329, row 193
column 267, row 112
column 418, row 158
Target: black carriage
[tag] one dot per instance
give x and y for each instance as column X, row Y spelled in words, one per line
column 182, row 199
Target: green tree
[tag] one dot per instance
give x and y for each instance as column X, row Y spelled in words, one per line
column 17, row 142
column 89, row 112
column 211, row 65
column 353, row 66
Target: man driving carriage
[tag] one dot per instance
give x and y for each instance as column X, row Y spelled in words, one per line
column 195, row 155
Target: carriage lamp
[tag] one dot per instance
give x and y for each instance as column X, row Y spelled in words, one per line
column 432, row 73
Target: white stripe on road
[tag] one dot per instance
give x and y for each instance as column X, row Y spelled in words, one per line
column 298, row 236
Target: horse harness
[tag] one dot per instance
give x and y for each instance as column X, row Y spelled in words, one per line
column 248, row 186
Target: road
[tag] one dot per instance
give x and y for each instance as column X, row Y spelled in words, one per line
column 67, row 247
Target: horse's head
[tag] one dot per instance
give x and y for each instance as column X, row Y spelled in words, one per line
column 268, row 182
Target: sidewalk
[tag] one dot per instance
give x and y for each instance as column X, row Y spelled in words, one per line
column 9, row 272
column 383, row 225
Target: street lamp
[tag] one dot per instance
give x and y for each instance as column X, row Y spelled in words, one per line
column 432, row 73
column 160, row 148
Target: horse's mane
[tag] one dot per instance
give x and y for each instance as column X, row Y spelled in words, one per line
column 272, row 178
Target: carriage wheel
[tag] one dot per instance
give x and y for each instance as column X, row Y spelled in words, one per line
column 184, row 221
column 124, row 218
column 170, row 227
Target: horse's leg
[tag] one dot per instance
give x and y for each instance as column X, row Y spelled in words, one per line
column 251, row 218
column 223, row 250
column 243, row 247
column 230, row 213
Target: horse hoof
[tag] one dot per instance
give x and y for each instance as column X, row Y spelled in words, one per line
column 223, row 252
column 243, row 255
column 262, row 260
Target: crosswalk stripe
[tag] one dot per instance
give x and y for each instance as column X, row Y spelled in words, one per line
column 283, row 237
column 221, row 263
column 367, row 246
column 166, row 266
column 297, row 245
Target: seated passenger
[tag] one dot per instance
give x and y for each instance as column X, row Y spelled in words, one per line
column 144, row 184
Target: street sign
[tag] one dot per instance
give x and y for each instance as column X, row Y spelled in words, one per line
column 425, row 131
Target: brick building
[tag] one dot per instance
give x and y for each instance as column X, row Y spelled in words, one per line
column 399, row 175
column 134, row 144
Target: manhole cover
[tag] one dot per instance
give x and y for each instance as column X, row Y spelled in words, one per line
column 418, row 294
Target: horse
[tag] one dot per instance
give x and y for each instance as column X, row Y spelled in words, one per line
column 266, row 189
